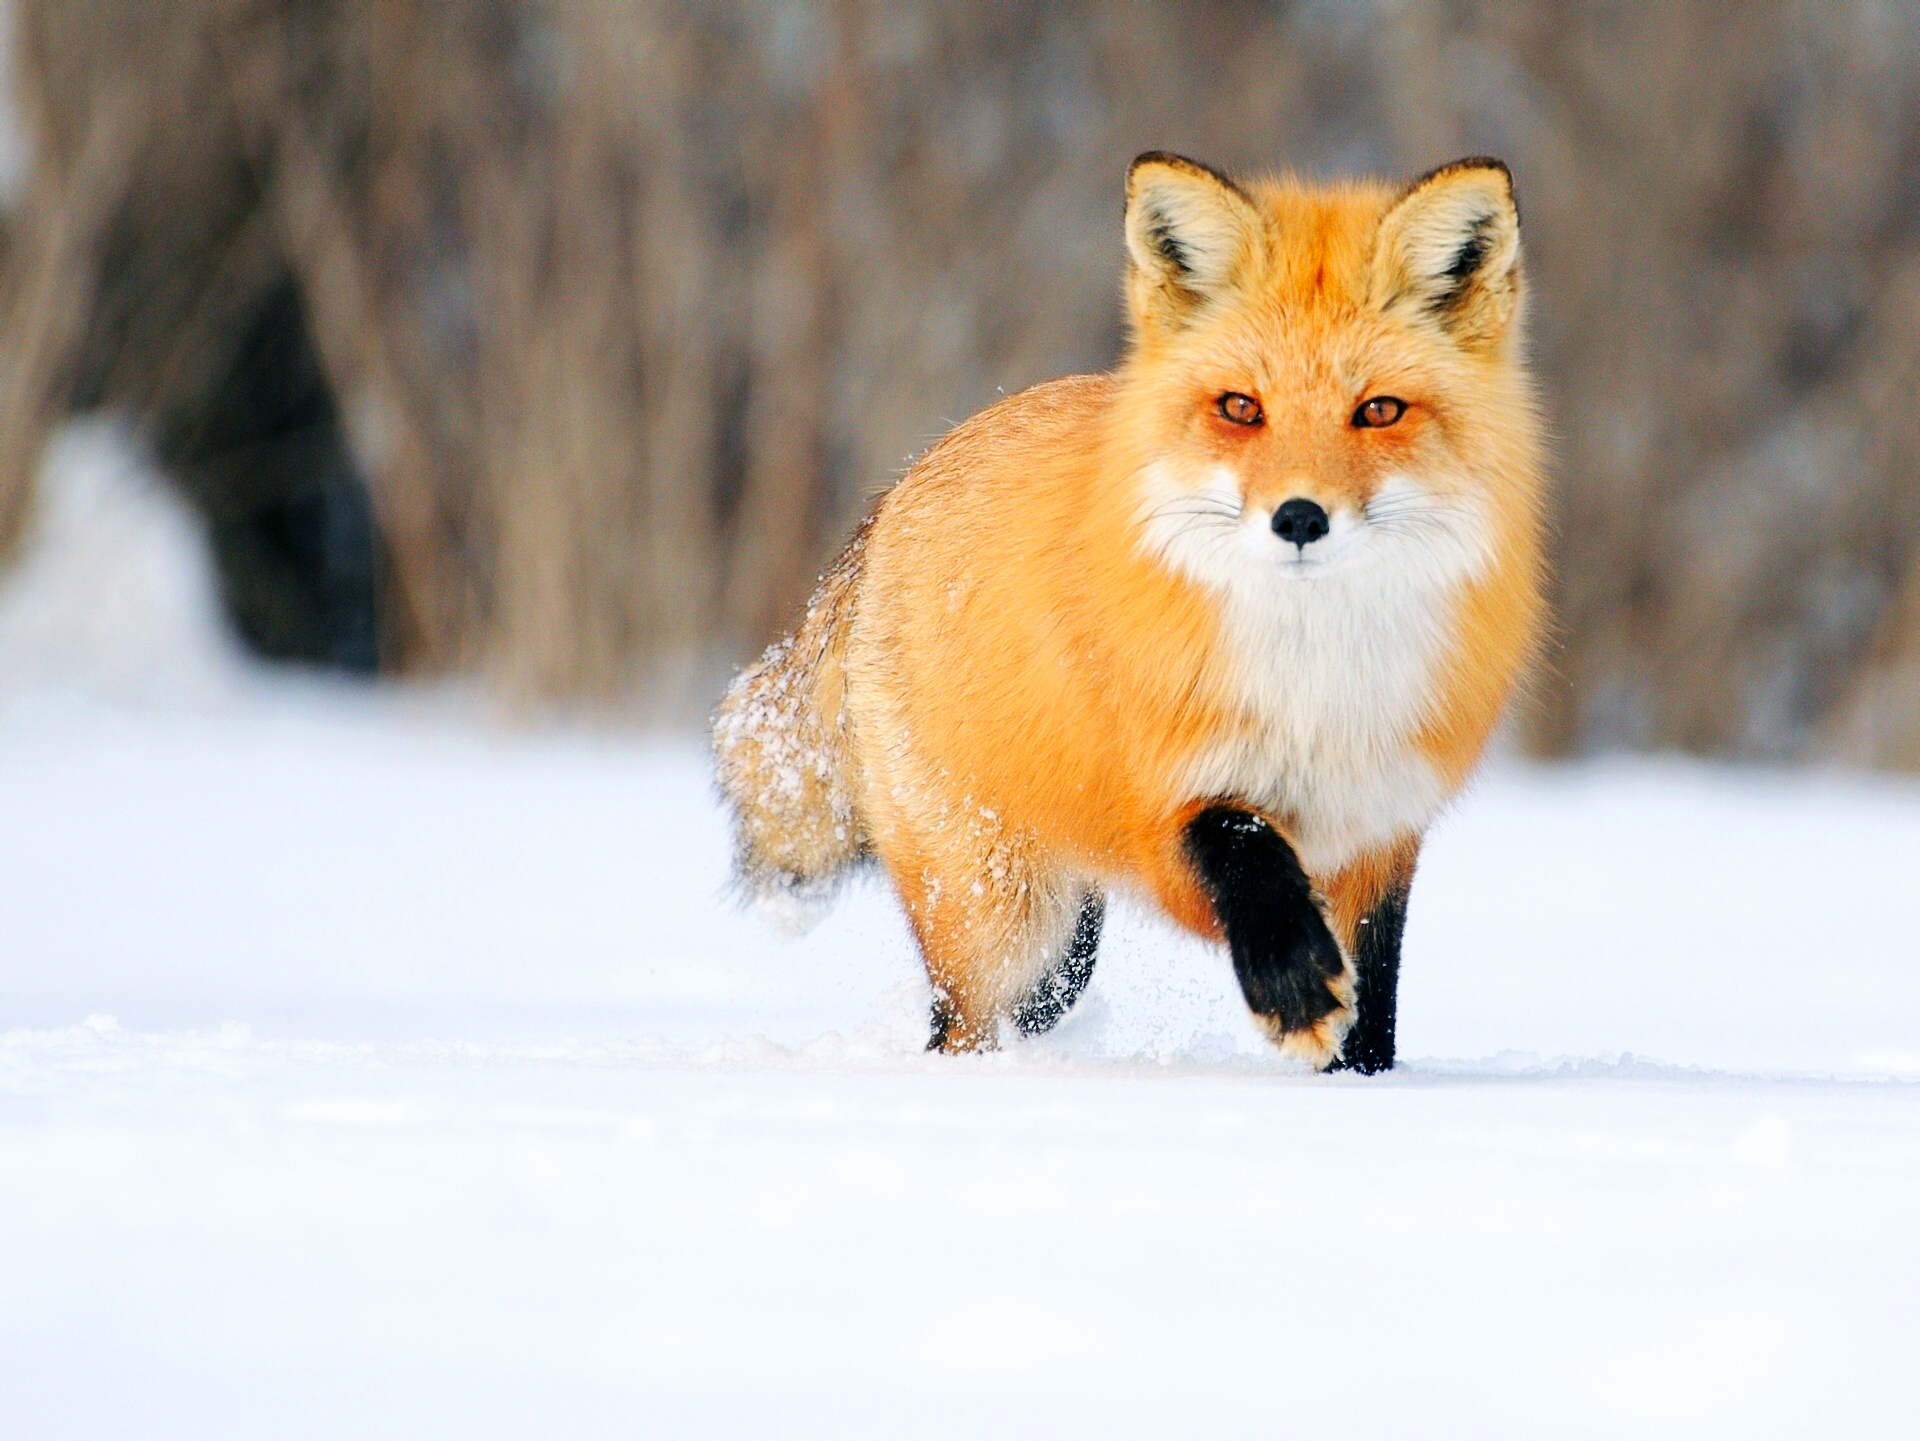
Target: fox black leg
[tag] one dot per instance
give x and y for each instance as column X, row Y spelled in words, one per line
column 1376, row 957
column 1283, row 952
column 1053, row 995
column 944, row 1021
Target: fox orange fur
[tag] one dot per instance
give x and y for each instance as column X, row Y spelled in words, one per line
column 1224, row 628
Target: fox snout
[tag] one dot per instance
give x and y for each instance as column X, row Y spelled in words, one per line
column 1300, row 522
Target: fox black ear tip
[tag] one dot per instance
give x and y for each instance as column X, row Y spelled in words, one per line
column 1466, row 163
column 1161, row 157
column 1172, row 160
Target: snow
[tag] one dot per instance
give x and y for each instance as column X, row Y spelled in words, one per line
column 371, row 1066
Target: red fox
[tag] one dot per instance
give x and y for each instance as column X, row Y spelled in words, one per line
column 1223, row 628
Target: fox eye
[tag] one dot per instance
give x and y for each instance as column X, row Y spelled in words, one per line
column 1379, row 412
column 1240, row 409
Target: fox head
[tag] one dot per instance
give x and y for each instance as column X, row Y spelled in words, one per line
column 1325, row 377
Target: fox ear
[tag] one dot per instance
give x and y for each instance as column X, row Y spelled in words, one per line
column 1189, row 231
column 1449, row 250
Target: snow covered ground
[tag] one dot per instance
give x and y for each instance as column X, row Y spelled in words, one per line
column 369, row 1067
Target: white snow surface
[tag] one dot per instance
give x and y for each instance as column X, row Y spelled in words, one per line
column 371, row 1067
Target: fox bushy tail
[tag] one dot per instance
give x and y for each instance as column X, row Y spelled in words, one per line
column 784, row 758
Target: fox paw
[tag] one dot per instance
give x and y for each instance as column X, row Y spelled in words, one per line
column 1316, row 1039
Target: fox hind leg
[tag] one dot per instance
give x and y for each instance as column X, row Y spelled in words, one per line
column 1054, row 994
column 1020, row 948
column 1291, row 968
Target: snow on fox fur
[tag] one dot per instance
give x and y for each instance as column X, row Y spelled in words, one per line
column 1224, row 628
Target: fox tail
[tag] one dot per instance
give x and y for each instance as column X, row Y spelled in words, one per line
column 784, row 759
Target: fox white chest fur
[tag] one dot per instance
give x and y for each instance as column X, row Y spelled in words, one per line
column 1334, row 651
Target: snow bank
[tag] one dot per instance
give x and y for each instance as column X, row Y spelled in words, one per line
column 112, row 595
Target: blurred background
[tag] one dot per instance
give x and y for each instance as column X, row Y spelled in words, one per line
column 557, row 344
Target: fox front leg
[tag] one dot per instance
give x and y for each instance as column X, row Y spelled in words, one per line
column 1367, row 903
column 1376, row 953
column 1296, row 980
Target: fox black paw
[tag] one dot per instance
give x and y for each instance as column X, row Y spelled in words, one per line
column 1290, row 967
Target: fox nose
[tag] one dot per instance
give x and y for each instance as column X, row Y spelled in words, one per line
column 1300, row 522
